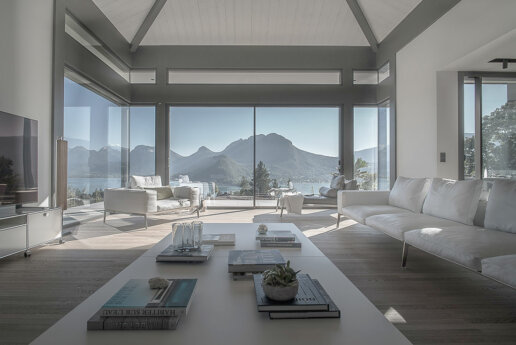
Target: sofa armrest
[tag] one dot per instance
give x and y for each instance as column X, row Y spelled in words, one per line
column 125, row 200
column 362, row 197
column 186, row 192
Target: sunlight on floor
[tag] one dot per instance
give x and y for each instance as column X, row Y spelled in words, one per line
column 393, row 316
column 315, row 232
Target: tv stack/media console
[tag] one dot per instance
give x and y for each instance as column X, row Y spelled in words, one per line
column 24, row 228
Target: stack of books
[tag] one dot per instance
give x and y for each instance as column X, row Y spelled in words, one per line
column 243, row 263
column 219, row 239
column 138, row 307
column 278, row 238
column 173, row 254
column 311, row 301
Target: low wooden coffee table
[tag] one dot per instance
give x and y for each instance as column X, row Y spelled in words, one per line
column 223, row 311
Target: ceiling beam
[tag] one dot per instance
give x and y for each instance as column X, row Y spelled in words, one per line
column 147, row 23
column 364, row 25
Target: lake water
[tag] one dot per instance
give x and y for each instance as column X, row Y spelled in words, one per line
column 89, row 185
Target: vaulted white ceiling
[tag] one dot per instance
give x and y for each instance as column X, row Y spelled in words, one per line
column 253, row 22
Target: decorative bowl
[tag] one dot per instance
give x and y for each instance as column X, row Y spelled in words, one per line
column 262, row 229
column 281, row 293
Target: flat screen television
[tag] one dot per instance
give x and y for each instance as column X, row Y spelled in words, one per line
column 18, row 160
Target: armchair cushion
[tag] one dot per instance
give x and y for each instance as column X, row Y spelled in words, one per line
column 171, row 204
column 144, row 181
column 187, row 192
column 329, row 192
column 338, row 182
column 164, row 192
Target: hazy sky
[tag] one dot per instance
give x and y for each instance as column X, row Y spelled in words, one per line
column 310, row 129
column 95, row 122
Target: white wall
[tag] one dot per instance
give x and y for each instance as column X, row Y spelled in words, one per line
column 427, row 108
column 26, row 30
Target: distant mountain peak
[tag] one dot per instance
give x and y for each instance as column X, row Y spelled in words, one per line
column 204, row 149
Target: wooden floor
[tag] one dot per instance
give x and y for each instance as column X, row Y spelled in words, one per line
column 431, row 302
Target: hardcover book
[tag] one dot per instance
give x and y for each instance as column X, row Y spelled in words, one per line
column 135, row 298
column 276, row 236
column 281, row 244
column 332, row 312
column 219, row 239
column 171, row 254
column 244, row 261
column 308, row 297
column 98, row 322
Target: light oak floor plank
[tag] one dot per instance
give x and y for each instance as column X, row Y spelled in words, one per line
column 431, row 302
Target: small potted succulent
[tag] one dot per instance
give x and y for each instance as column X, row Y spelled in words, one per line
column 280, row 283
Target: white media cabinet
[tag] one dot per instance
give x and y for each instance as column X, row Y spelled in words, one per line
column 24, row 228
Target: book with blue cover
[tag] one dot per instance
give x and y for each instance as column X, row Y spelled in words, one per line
column 136, row 298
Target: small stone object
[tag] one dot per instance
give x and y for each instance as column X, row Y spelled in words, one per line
column 262, row 229
column 158, row 283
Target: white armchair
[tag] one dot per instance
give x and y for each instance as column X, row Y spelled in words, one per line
column 147, row 196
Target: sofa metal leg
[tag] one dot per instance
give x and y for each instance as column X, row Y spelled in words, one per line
column 145, row 217
column 404, row 255
column 105, row 216
column 338, row 219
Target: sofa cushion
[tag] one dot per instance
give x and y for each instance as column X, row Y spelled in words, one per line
column 163, row 192
column 463, row 244
column 396, row 225
column 501, row 206
column 329, row 192
column 501, row 268
column 171, row 204
column 453, row 200
column 409, row 193
column 338, row 182
column 359, row 213
column 144, row 181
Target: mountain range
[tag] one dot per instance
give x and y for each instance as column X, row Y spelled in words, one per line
column 282, row 159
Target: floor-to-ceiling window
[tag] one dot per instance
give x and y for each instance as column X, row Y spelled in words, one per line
column 298, row 145
column 372, row 146
column 142, row 140
column 94, row 128
column 489, row 126
column 215, row 148
column 212, row 148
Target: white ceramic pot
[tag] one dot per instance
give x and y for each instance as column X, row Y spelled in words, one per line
column 280, row 293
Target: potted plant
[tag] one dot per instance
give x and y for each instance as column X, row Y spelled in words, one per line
column 280, row 283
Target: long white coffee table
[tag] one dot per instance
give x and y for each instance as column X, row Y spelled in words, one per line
column 223, row 311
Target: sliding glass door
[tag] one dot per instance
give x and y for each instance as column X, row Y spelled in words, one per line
column 489, row 127
column 212, row 148
column 93, row 127
column 372, row 147
column 238, row 155
column 296, row 145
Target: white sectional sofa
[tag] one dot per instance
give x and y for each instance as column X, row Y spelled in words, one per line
column 450, row 219
column 146, row 195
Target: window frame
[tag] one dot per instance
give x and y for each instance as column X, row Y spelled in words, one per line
column 477, row 76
